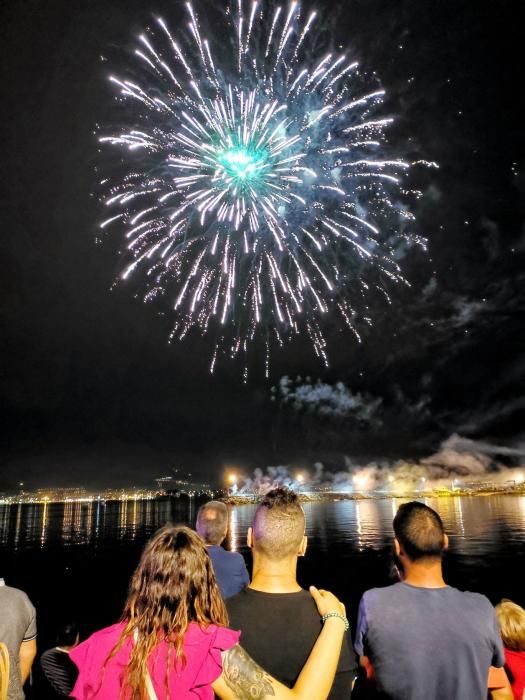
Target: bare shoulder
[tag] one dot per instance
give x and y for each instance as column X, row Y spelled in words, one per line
column 244, row 677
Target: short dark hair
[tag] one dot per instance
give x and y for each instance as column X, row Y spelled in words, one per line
column 67, row 635
column 278, row 524
column 212, row 522
column 419, row 530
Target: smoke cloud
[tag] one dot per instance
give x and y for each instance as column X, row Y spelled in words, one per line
column 459, row 462
column 326, row 400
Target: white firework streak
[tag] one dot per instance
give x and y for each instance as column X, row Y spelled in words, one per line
column 254, row 192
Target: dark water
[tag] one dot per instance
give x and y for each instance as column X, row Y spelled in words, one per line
column 74, row 560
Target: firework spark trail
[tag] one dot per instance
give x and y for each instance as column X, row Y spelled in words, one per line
column 254, row 192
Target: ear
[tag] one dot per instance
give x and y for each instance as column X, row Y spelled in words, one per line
column 397, row 546
column 445, row 541
column 302, row 547
column 249, row 538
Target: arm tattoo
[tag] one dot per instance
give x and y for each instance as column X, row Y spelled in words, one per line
column 245, row 677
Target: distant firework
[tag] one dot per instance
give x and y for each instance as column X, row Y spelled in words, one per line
column 254, row 189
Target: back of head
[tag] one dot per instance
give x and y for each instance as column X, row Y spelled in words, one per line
column 419, row 530
column 511, row 618
column 278, row 525
column 67, row 635
column 212, row 522
column 174, row 582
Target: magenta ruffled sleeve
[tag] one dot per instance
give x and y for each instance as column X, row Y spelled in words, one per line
column 221, row 640
column 90, row 658
column 82, row 657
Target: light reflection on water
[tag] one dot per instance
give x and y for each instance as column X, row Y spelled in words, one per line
column 27, row 526
column 473, row 524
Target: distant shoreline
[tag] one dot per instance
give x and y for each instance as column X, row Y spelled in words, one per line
column 253, row 498
column 248, row 499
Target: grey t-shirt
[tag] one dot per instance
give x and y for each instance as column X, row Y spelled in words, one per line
column 17, row 625
column 431, row 643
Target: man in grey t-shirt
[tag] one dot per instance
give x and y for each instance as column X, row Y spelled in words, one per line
column 421, row 638
column 18, row 632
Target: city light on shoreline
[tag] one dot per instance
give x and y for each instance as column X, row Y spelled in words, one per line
column 359, row 482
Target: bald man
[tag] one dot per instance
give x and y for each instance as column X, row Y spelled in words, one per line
column 230, row 570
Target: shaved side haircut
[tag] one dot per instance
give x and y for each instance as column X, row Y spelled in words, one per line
column 212, row 522
column 278, row 524
column 419, row 530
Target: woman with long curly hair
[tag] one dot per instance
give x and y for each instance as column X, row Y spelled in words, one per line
column 173, row 643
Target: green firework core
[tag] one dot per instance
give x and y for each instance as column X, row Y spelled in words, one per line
column 242, row 164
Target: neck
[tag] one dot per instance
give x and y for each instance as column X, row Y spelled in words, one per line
column 271, row 576
column 425, row 573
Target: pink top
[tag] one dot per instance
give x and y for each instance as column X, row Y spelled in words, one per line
column 202, row 648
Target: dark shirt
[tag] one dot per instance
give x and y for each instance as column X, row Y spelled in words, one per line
column 431, row 643
column 230, row 570
column 59, row 671
column 278, row 630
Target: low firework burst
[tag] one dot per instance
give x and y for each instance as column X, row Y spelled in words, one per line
column 253, row 193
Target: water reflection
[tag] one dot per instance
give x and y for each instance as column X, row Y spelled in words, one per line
column 123, row 519
column 475, row 525
column 233, row 533
column 370, row 525
column 73, row 523
column 98, row 516
column 18, row 524
column 3, row 525
column 359, row 525
column 459, row 514
column 44, row 525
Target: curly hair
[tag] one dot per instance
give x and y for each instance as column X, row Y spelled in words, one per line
column 280, row 497
column 173, row 585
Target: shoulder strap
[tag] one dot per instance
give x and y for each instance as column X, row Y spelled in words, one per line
column 152, row 695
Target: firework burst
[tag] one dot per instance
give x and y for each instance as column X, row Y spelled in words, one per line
column 253, row 193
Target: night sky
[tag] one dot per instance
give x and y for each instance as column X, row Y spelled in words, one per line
column 92, row 393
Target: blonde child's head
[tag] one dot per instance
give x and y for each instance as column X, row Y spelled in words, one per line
column 511, row 618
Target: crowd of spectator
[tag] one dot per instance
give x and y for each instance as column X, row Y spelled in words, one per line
column 195, row 625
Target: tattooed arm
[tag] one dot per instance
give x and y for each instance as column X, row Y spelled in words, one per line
column 243, row 678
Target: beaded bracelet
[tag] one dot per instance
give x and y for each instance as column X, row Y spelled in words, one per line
column 341, row 617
